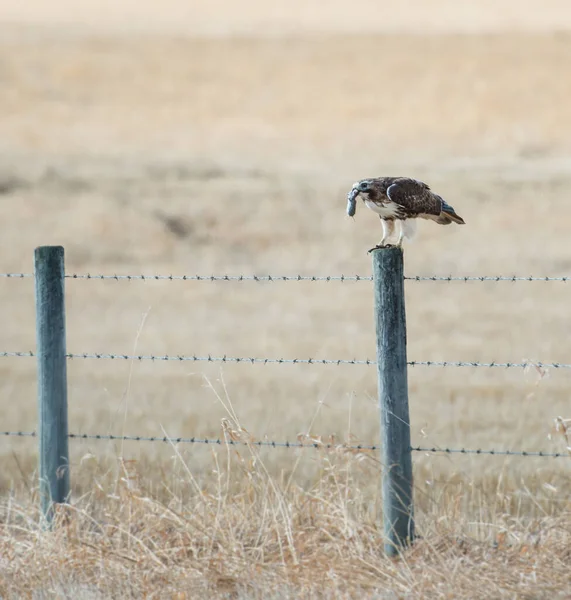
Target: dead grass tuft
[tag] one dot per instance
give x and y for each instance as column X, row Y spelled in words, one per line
column 243, row 533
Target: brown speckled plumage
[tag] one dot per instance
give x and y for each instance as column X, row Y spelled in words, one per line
column 401, row 198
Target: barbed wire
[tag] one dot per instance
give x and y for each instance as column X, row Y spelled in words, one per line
column 492, row 452
column 484, row 278
column 276, row 278
column 311, row 443
column 294, row 361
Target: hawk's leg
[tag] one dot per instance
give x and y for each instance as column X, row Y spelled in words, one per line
column 401, row 234
column 388, row 230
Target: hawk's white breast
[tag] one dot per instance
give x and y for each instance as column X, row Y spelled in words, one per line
column 387, row 210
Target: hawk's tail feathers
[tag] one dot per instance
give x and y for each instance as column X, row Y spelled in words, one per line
column 448, row 215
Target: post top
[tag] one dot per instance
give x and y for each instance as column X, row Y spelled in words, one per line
column 49, row 249
column 379, row 249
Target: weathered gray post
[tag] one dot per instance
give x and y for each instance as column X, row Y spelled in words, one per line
column 398, row 515
column 52, row 378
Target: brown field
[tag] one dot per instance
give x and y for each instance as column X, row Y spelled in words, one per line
column 163, row 144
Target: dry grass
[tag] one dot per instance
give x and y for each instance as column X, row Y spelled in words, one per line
column 283, row 17
column 160, row 153
column 243, row 533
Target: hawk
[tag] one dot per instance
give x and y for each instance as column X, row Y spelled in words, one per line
column 399, row 199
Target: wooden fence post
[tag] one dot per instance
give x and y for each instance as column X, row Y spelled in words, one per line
column 52, row 378
column 398, row 514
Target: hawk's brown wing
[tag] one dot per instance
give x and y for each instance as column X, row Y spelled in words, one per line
column 414, row 197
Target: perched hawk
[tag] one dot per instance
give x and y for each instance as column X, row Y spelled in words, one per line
column 399, row 199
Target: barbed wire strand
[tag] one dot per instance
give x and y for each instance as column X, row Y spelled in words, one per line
column 294, row 361
column 286, row 444
column 276, row 278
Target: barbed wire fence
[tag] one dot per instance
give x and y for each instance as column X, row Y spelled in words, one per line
column 50, row 306
column 290, row 361
column 310, row 443
column 277, row 278
column 293, row 361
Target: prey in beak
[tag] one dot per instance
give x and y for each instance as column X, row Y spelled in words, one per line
column 352, row 201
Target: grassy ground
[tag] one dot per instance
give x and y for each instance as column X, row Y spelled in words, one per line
column 240, row 531
column 169, row 154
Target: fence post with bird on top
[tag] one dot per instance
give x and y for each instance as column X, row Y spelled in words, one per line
column 52, row 378
column 390, row 323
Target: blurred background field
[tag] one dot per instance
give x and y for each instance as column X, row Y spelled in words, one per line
column 221, row 138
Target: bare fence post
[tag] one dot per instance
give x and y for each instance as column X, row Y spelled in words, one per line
column 398, row 514
column 52, row 378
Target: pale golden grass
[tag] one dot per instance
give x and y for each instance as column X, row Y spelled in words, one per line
column 283, row 17
column 162, row 155
column 241, row 532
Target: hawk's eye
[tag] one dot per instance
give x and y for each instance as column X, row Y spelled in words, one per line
column 363, row 186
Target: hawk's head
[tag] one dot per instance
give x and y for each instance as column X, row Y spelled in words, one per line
column 364, row 186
